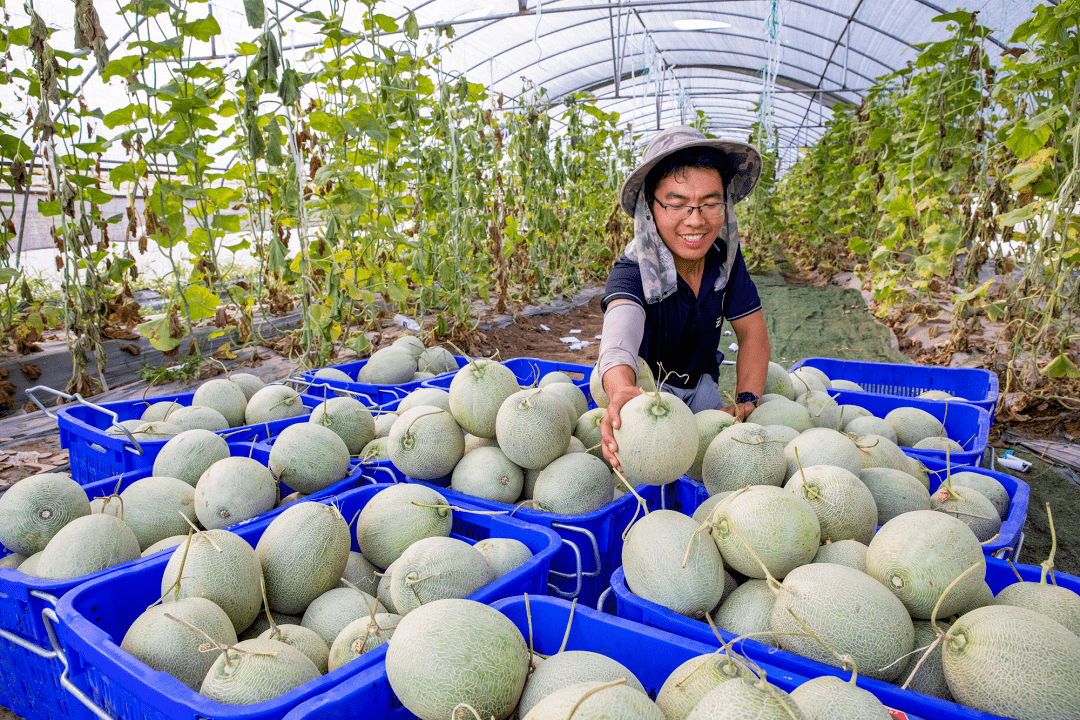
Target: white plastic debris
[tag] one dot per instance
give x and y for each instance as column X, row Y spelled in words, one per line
column 407, row 322
column 568, row 339
column 581, row 344
column 544, row 327
column 574, row 332
column 598, row 337
column 733, row 347
column 726, row 333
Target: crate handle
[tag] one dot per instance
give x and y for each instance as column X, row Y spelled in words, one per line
column 48, row 615
column 83, row 401
column 603, row 599
column 374, row 481
column 577, row 574
column 592, row 539
column 45, row 388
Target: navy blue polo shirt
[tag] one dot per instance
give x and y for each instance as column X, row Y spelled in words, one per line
column 683, row 332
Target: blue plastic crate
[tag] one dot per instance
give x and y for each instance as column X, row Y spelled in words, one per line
column 998, row 576
column 592, row 542
column 94, row 618
column 1010, row 537
column 95, row 455
column 978, row 387
column 650, row 654
column 529, row 371
column 25, row 648
column 386, row 392
column 967, row 424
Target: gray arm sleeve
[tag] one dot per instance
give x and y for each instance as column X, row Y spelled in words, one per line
column 624, row 327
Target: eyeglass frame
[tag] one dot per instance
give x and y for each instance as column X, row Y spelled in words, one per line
column 699, row 208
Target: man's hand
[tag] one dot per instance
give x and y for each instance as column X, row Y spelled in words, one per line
column 619, row 384
column 740, row 411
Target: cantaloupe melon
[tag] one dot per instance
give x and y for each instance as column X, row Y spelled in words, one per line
column 153, row 507
column 262, row 624
column 306, row 641
column 303, row 553
column 934, row 395
column 391, row 365
column 436, row 568
column 273, row 402
column 777, row 382
column 570, row 667
column 489, row 474
column 747, row 697
column 11, row 561
column 383, row 422
column 159, row 410
column 823, row 409
column 249, row 383
column 426, row 442
column 805, row 370
column 533, row 428
column 803, row 382
column 433, row 643
column 233, row 490
column 1055, row 601
column 220, row 566
column 188, row 455
column 652, row 559
column 895, row 492
column 742, row 455
column 587, row 430
column 436, row 397
column 1013, row 662
column 843, row 552
column 592, row 700
column 692, row 680
column 939, row 444
column 199, row 417
column 746, row 611
column 395, row 518
column 331, row 612
column 555, row 376
column 918, row 554
column 377, row 449
column 330, row 373
column 645, row 381
column 970, row 507
column 35, row 508
column 503, row 554
column 361, row 572
column 168, row 646
column 577, row 403
column 875, row 631
column 436, row 360
column 781, row 412
column 413, row 344
column 929, row 679
column 349, row 420
column 828, row 696
column 710, row 423
column 224, row 396
column 476, row 393
column 657, row 439
column 164, row 544
column 841, row 384
column 914, row 424
column 844, row 506
column 309, row 457
column 360, row 636
column 472, row 443
column 823, row 446
column 990, row 488
column 86, row 545
column 268, row 669
column 777, row 526
column 574, row 484
column 880, row 451
column 780, row 433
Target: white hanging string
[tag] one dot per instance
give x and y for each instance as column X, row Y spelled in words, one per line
column 774, row 23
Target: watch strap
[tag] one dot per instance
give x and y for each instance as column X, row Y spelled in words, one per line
column 747, row 397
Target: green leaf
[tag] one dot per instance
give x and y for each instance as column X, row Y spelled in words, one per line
column 275, row 260
column 121, row 174
column 98, row 197
column 201, row 302
column 13, row 147
column 386, row 23
column 7, row 275
column 289, row 90
column 203, row 29
column 256, row 12
column 1061, row 366
column 123, row 116
column 275, row 141
column 1026, row 143
column 412, row 28
column 49, row 208
column 1019, row 215
column 1027, row 172
column 157, row 333
column 902, row 207
column 963, row 18
column 228, row 223
column 977, row 292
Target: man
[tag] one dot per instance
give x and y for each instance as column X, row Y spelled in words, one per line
column 680, row 277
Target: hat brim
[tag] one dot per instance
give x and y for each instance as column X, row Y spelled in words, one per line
column 745, row 164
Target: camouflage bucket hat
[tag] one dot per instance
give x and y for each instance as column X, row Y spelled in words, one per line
column 744, row 160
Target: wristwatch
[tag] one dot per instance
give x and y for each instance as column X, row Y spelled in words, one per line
column 747, row 397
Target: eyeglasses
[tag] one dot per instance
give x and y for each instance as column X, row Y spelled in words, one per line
column 708, row 210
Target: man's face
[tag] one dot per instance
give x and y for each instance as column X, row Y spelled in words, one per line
column 688, row 235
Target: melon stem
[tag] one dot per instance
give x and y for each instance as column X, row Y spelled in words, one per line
column 937, row 605
column 929, row 649
column 1048, row 563
column 734, row 659
column 590, row 693
column 992, row 539
column 274, row 631
column 1015, row 571
column 569, row 622
column 408, row 430
column 119, row 499
column 686, row 556
column 454, row 712
column 175, row 587
column 455, row 508
column 770, row 580
column 642, row 505
column 950, row 494
column 528, row 617
column 847, row 660
column 214, row 643
column 199, row 532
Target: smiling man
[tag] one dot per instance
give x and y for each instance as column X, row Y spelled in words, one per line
column 681, row 277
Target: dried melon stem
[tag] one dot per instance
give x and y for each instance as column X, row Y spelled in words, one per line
column 465, row 706
column 443, row 508
column 408, row 442
column 847, row 660
column 590, row 693
column 1048, row 564
column 641, row 505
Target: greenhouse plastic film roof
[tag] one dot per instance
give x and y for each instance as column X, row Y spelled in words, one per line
column 786, row 63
